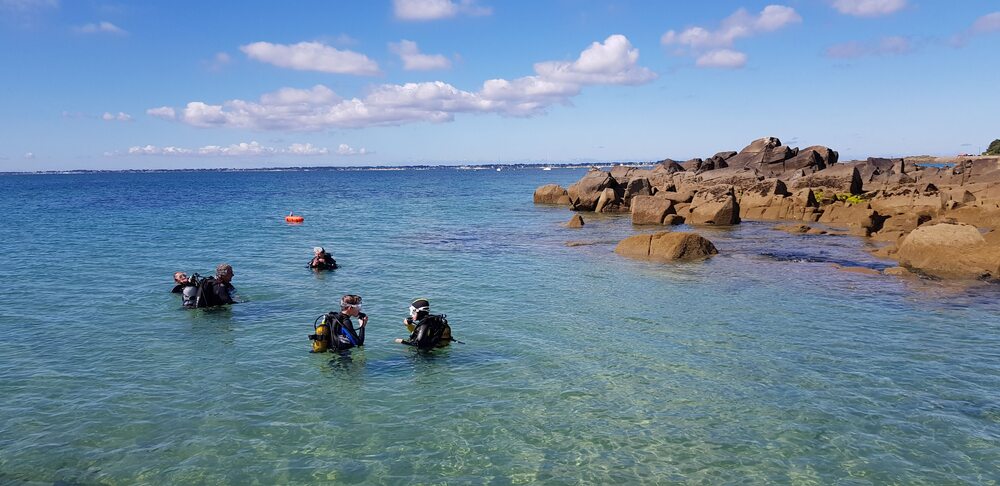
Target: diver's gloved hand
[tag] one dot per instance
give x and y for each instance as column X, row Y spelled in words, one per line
column 363, row 319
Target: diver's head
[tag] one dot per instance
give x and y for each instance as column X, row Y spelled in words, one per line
column 318, row 250
column 350, row 304
column 224, row 272
column 180, row 277
column 419, row 309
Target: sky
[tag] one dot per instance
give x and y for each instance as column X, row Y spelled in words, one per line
column 92, row 84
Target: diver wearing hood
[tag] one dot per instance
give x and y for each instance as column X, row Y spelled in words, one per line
column 427, row 331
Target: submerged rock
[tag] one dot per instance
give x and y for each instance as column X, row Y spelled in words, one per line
column 668, row 246
column 575, row 222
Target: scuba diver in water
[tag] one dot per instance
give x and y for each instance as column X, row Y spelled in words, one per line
column 427, row 331
column 322, row 260
column 334, row 331
column 187, row 287
column 199, row 291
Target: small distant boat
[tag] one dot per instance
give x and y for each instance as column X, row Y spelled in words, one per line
column 498, row 169
column 546, row 168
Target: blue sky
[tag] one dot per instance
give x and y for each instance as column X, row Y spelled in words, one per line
column 89, row 84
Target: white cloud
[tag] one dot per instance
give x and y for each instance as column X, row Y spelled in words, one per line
column 987, row 23
column 413, row 60
column 739, row 24
column 887, row 46
column 306, row 149
column 345, row 149
column 165, row 112
column 713, row 47
column 722, row 58
column 613, row 62
column 120, row 116
column 29, row 155
column 100, row 28
column 422, row 10
column 244, row 149
column 868, row 8
column 312, row 56
column 219, row 61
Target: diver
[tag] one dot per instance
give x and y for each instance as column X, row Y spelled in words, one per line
column 427, row 331
column 214, row 291
column 322, row 260
column 187, row 287
column 181, row 280
column 334, row 331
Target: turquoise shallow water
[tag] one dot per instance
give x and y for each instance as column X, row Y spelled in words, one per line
column 762, row 365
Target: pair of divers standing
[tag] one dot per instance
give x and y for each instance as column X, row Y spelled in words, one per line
column 334, row 331
column 197, row 291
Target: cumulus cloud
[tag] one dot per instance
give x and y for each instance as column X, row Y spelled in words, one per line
column 29, row 155
column 886, row 46
column 414, row 60
column 422, row 10
column 713, row 47
column 868, row 8
column 722, row 58
column 120, row 116
column 312, row 56
column 244, row 149
column 100, row 28
column 612, row 62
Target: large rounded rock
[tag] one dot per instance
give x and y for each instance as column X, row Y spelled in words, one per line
column 826, row 154
column 950, row 251
column 551, row 194
column 667, row 246
column 637, row 186
column 585, row 193
column 650, row 209
column 714, row 205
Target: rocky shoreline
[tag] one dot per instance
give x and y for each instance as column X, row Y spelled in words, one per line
column 937, row 218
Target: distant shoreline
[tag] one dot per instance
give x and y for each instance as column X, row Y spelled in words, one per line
column 577, row 165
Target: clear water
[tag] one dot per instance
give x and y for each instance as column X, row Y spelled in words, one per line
column 764, row 364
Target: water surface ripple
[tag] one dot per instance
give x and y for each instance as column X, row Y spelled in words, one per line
column 762, row 365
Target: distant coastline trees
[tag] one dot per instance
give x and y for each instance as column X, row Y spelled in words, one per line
column 994, row 148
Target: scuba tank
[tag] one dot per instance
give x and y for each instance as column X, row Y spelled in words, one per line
column 322, row 335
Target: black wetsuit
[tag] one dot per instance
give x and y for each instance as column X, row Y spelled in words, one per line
column 323, row 262
column 213, row 292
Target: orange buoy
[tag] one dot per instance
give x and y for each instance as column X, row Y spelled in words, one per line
column 292, row 218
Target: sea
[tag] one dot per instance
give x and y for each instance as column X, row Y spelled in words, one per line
column 765, row 364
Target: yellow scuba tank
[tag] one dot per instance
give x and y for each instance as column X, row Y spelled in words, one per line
column 321, row 337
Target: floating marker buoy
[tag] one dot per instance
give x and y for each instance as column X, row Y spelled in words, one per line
column 292, row 218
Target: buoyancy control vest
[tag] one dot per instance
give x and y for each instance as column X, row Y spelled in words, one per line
column 210, row 292
column 431, row 332
column 334, row 331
